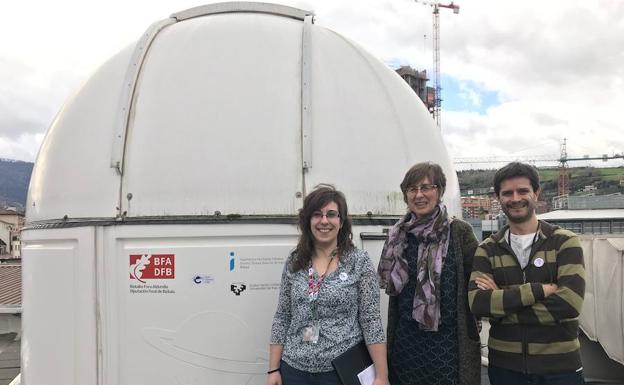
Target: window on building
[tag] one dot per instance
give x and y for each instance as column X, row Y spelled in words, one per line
column 617, row 227
column 576, row 227
column 596, row 227
column 603, row 227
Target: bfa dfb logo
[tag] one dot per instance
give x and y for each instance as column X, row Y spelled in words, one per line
column 237, row 288
column 152, row 266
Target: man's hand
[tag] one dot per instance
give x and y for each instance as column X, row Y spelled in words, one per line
column 484, row 282
column 549, row 288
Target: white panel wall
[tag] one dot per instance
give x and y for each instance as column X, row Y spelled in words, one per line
column 192, row 328
column 588, row 315
column 608, row 279
column 602, row 318
column 59, row 324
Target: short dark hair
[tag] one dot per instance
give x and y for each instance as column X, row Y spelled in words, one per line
column 319, row 197
column 420, row 171
column 515, row 170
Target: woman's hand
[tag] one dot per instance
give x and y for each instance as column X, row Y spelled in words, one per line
column 275, row 355
column 381, row 381
column 274, row 378
column 378, row 355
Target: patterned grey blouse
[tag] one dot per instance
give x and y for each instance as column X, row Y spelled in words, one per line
column 348, row 311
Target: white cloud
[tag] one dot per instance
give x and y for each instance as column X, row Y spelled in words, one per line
column 24, row 147
column 555, row 66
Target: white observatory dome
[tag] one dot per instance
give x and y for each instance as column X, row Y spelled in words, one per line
column 234, row 109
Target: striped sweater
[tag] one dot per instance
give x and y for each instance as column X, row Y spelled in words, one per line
column 530, row 333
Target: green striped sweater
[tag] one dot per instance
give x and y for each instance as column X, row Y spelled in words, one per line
column 530, row 333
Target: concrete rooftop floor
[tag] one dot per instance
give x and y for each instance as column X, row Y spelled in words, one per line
column 9, row 357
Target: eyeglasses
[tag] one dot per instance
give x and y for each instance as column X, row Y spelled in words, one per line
column 423, row 188
column 331, row 214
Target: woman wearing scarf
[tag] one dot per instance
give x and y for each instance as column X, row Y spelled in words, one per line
column 425, row 267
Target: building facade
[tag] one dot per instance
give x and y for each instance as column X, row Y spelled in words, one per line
column 11, row 221
column 480, row 207
column 417, row 80
column 598, row 221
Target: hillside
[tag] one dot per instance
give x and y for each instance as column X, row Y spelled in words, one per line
column 14, row 180
column 15, row 177
column 606, row 180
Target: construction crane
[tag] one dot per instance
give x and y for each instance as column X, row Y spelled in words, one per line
column 436, row 53
column 564, row 177
column 531, row 159
column 562, row 160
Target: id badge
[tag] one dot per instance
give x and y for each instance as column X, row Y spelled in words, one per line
column 311, row 334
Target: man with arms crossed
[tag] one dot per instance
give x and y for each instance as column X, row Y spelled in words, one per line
column 529, row 280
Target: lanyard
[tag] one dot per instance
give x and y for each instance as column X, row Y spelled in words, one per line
column 314, row 285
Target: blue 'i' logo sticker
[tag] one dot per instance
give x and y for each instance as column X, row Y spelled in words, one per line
column 232, row 261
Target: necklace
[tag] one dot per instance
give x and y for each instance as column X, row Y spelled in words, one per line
column 314, row 283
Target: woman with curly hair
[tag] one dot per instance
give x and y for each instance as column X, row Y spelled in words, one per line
column 328, row 301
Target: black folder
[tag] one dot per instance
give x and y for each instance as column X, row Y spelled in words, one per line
column 352, row 362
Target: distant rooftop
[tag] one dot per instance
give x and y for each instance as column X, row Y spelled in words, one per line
column 407, row 70
column 10, row 288
column 613, row 201
column 583, row 214
column 10, row 211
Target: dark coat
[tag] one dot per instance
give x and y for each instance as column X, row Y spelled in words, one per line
column 464, row 244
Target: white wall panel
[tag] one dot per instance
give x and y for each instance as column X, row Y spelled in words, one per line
column 59, row 324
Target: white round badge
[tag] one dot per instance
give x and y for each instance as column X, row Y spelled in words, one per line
column 539, row 262
column 343, row 276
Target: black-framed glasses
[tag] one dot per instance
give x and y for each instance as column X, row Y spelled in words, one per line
column 330, row 214
column 423, row 188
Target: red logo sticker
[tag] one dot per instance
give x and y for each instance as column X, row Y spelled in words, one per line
column 152, row 266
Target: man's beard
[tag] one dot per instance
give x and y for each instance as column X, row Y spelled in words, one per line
column 530, row 207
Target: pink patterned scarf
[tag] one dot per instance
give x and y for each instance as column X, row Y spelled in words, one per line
column 432, row 233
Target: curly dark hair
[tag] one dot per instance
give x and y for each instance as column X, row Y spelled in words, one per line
column 514, row 170
column 317, row 199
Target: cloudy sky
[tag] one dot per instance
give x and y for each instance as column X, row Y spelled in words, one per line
column 517, row 76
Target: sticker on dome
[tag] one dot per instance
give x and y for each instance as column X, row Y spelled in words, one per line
column 152, row 266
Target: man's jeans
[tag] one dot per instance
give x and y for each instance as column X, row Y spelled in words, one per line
column 500, row 376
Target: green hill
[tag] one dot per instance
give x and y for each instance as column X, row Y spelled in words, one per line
column 606, row 180
column 14, row 180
